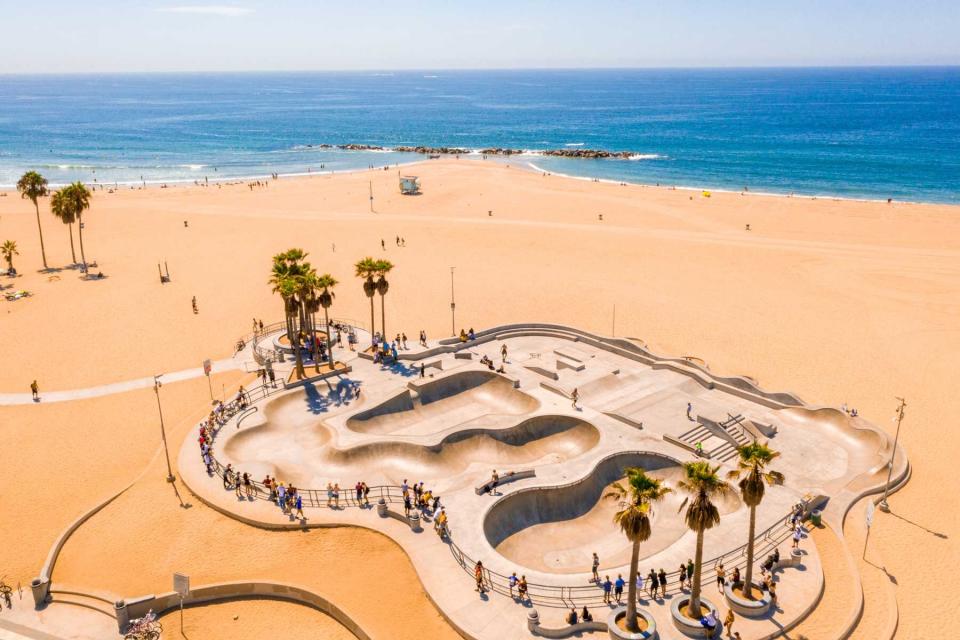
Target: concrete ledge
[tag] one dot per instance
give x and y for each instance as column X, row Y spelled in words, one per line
column 616, row 633
column 511, row 476
column 749, row 608
column 693, row 628
column 533, row 625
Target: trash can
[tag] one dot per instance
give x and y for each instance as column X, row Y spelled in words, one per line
column 815, row 517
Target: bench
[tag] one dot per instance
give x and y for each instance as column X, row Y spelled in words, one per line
column 533, row 625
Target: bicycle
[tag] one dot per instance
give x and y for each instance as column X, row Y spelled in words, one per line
column 145, row 628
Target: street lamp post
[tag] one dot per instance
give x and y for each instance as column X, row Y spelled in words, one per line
column 886, row 489
column 163, row 432
column 453, row 307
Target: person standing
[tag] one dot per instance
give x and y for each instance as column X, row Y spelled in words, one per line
column 575, row 396
column 596, row 567
column 728, row 622
column 721, row 576
column 522, row 588
column 662, row 578
column 513, row 582
column 607, row 587
column 35, row 391
column 478, row 576
column 423, row 370
column 652, row 583
column 683, row 575
column 503, row 352
column 618, row 588
column 299, row 504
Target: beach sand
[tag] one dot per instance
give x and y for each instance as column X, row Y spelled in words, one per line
column 838, row 301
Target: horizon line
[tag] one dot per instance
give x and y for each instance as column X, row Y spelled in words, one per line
column 483, row 69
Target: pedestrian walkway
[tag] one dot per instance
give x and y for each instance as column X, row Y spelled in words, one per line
column 219, row 366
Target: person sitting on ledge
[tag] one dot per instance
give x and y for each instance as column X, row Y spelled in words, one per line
column 709, row 621
column 463, row 335
column 471, row 335
column 572, row 616
column 585, row 615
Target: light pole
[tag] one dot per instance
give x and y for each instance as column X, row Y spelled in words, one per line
column 163, row 432
column 453, row 307
column 886, row 489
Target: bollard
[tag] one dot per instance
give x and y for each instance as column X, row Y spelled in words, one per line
column 123, row 616
column 796, row 557
column 41, row 589
column 533, row 621
column 414, row 520
column 382, row 508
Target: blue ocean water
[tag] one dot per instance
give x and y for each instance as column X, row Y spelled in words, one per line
column 855, row 132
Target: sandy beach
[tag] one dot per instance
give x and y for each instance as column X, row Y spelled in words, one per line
column 838, row 301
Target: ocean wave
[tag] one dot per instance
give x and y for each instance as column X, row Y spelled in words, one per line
column 194, row 167
column 646, row 156
column 574, row 144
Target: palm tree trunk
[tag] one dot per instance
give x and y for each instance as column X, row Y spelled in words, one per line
column 631, row 621
column 693, row 605
column 372, row 328
column 383, row 316
column 43, row 251
column 326, row 325
column 748, row 574
column 80, row 233
column 73, row 254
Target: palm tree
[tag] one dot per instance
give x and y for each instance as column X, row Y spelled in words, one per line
column 752, row 465
column 383, row 268
column 367, row 269
column 636, row 502
column 8, row 250
column 80, row 202
column 61, row 207
column 289, row 278
column 701, row 483
column 326, row 283
column 33, row 186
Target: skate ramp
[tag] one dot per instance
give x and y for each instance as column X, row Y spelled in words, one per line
column 557, row 529
column 439, row 404
column 541, row 439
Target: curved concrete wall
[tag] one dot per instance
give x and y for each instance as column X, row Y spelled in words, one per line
column 536, row 505
column 137, row 607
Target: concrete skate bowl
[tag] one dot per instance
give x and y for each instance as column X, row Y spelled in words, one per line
column 556, row 529
column 283, row 432
column 859, row 459
column 539, row 440
column 437, row 405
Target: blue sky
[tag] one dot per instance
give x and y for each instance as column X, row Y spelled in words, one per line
column 235, row 35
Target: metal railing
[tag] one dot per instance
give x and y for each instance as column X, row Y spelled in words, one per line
column 263, row 350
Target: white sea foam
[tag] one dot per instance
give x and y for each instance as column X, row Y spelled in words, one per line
column 574, row 144
column 646, row 156
column 194, row 167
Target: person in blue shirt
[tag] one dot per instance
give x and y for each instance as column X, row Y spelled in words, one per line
column 618, row 587
column 607, row 586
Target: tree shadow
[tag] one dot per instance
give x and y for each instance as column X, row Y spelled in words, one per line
column 401, row 369
column 317, row 402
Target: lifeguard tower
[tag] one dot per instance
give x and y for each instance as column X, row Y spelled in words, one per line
column 409, row 185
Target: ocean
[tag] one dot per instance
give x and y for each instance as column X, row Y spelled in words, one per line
column 848, row 132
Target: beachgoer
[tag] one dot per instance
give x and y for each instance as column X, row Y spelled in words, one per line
column 513, row 582
column 618, row 587
column 494, row 481
column 607, row 587
column 735, row 579
column 423, row 338
column 35, row 391
column 689, row 411
column 596, row 567
column 585, row 615
column 639, row 586
column 572, row 616
column 683, row 575
column 797, row 534
column 721, row 576
column 423, row 370
column 690, row 572
column 503, row 353
column 575, row 396
column 652, row 583
column 478, row 576
column 194, row 303
column 662, row 579
column 336, row 495
column 728, row 621
column 329, row 494
column 403, row 338
column 406, row 505
column 299, row 505
column 522, row 588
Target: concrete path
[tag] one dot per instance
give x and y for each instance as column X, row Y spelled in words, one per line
column 8, row 399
